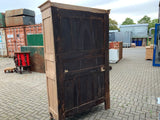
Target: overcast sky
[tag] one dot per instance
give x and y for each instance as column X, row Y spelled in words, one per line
column 120, row 9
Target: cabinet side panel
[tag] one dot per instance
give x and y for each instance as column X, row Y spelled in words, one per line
column 50, row 63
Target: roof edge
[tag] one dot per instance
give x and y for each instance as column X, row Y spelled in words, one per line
column 48, row 4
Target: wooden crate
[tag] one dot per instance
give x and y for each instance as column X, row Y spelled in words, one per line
column 120, row 50
column 117, row 45
column 149, row 53
column 76, row 46
column 36, row 57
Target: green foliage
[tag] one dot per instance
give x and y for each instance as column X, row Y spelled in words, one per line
column 128, row 21
column 113, row 25
column 148, row 20
column 144, row 20
column 152, row 23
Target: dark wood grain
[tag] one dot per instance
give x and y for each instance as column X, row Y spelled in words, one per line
column 81, row 49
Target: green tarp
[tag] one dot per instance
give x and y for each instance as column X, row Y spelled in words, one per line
column 35, row 40
column 2, row 20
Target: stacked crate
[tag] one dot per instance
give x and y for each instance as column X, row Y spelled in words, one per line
column 149, row 52
column 37, row 57
column 118, row 48
column 19, row 17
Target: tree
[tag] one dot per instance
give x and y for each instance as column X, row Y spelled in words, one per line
column 128, row 21
column 113, row 25
column 144, row 20
column 152, row 23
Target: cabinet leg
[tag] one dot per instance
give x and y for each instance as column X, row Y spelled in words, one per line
column 107, row 101
column 20, row 70
column 51, row 117
column 29, row 69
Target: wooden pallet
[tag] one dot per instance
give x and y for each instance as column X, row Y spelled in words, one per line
column 10, row 70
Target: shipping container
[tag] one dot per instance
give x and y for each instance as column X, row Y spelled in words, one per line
column 112, row 36
column 33, row 29
column 76, row 49
column 15, row 38
column 125, row 37
column 36, row 57
column 2, row 20
column 3, row 48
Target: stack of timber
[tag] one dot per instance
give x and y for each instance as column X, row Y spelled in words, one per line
column 36, row 57
column 19, row 17
column 76, row 41
column 149, row 52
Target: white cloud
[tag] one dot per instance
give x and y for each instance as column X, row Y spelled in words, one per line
column 121, row 3
column 119, row 8
column 73, row 2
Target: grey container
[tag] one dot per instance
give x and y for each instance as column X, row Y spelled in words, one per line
column 112, row 36
column 125, row 37
column 138, row 30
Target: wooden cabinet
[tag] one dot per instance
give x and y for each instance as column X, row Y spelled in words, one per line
column 76, row 44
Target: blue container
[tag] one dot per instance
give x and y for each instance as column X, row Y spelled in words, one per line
column 140, row 43
column 137, row 43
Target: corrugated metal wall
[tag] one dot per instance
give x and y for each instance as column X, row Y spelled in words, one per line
column 125, row 37
column 138, row 30
column 34, row 29
column 15, row 39
column 111, row 36
column 16, row 36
